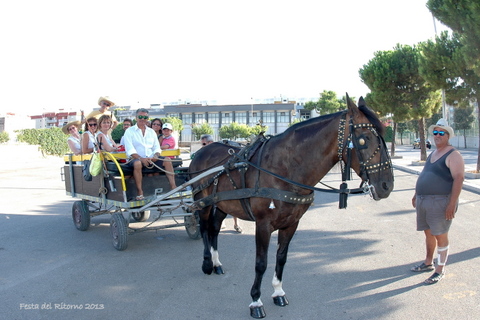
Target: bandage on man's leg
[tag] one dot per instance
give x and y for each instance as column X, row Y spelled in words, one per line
column 442, row 255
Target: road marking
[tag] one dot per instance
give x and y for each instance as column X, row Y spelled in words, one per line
column 460, row 295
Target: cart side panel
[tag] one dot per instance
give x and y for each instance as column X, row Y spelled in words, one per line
column 92, row 188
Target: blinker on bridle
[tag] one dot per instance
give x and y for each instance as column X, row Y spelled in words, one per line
column 359, row 143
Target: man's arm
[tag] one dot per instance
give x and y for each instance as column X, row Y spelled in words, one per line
column 456, row 164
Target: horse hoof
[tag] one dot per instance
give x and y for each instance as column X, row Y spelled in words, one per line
column 257, row 312
column 207, row 267
column 280, row 301
column 218, row 270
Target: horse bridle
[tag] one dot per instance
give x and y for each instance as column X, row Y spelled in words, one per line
column 352, row 141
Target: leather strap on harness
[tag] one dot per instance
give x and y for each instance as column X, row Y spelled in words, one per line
column 239, row 194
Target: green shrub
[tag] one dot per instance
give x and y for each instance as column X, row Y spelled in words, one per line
column 4, row 138
column 200, row 129
column 118, row 133
column 50, row 141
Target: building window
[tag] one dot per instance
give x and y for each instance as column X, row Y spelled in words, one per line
column 305, row 114
column 268, row 117
column 254, row 117
column 187, row 118
column 213, row 118
column 173, row 115
column 282, row 117
column 200, row 118
column 226, row 118
column 240, row 117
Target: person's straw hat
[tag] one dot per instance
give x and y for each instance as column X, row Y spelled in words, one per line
column 75, row 123
column 442, row 123
column 105, row 98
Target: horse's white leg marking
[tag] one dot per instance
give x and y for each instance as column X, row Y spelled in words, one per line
column 257, row 303
column 277, row 287
column 215, row 260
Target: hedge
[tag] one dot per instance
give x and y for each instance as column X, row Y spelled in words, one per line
column 50, row 141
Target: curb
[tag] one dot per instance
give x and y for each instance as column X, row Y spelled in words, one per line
column 466, row 185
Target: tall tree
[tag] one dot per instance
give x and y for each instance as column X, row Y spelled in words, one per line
column 398, row 88
column 443, row 64
column 327, row 103
column 463, row 17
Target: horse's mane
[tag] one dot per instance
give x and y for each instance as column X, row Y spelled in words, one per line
column 311, row 121
column 369, row 113
column 373, row 118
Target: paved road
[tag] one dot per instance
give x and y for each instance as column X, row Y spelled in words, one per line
column 343, row 264
column 469, row 155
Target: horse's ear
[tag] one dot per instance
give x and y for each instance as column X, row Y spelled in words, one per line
column 361, row 102
column 351, row 105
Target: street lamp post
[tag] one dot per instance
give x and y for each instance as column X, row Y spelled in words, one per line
column 444, row 107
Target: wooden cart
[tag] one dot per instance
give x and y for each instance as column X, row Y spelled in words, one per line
column 113, row 192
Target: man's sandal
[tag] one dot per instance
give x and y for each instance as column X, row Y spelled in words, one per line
column 434, row 278
column 422, row 267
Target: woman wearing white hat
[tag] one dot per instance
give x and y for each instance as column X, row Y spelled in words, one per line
column 436, row 199
column 73, row 139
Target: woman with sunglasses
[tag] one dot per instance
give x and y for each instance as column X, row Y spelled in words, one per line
column 88, row 137
column 105, row 103
column 103, row 137
column 157, row 127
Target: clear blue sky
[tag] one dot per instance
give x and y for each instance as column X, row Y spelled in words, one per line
column 68, row 53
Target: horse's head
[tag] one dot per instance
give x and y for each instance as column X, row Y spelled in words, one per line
column 370, row 158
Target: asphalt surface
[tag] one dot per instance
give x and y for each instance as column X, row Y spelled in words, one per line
column 342, row 264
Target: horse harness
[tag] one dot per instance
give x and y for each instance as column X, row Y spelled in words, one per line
column 241, row 161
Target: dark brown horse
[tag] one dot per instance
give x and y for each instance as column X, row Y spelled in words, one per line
column 271, row 183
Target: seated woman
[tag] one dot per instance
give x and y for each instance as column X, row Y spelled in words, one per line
column 103, row 137
column 157, row 127
column 73, row 139
column 88, row 137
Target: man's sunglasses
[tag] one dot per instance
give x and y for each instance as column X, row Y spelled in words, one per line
column 441, row 133
column 142, row 117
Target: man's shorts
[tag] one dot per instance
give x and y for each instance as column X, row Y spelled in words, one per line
column 151, row 168
column 431, row 214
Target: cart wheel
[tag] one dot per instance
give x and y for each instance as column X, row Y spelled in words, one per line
column 81, row 215
column 118, row 228
column 192, row 225
column 141, row 216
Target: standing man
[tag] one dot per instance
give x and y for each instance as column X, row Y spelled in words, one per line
column 436, row 199
column 105, row 103
column 141, row 144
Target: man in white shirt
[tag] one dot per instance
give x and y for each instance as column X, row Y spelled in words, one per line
column 141, row 144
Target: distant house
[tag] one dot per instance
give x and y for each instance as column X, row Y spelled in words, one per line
column 55, row 118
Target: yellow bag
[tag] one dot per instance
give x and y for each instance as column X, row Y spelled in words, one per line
column 95, row 164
